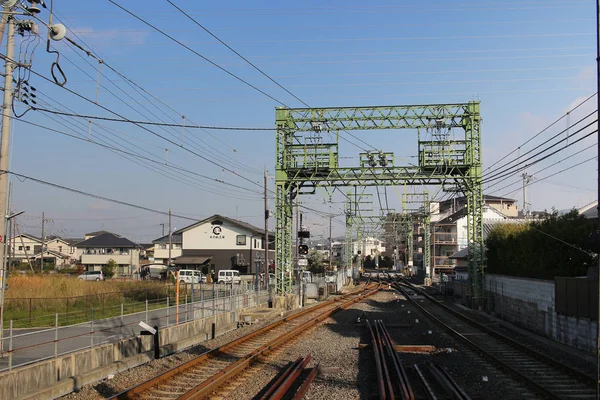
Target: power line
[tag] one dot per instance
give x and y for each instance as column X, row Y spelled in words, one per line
column 236, row 165
column 147, row 95
column 498, row 175
column 95, row 196
column 554, row 174
column 223, row 69
column 195, row 52
column 543, row 130
column 140, row 126
column 173, row 166
column 543, row 169
column 152, row 123
column 238, row 54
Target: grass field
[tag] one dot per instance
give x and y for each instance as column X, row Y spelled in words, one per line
column 33, row 301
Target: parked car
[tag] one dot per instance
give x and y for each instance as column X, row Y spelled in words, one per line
column 91, row 276
column 228, row 276
column 191, row 276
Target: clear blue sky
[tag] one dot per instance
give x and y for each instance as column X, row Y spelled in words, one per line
column 526, row 61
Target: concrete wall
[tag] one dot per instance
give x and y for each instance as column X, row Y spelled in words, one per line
column 529, row 303
column 57, row 377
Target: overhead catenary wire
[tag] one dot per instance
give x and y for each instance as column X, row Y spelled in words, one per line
column 141, row 126
column 543, row 130
column 233, row 164
column 152, row 99
column 500, row 172
column 543, row 169
column 550, row 176
column 106, row 146
column 221, row 68
column 171, row 166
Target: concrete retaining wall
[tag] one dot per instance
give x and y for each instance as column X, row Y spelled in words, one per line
column 529, row 303
column 57, row 377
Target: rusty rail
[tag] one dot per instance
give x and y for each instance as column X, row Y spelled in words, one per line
column 215, row 381
column 386, row 360
column 290, row 377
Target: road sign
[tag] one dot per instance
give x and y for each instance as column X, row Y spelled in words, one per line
column 303, row 262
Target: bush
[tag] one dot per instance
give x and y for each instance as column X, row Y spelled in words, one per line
column 109, row 268
column 539, row 249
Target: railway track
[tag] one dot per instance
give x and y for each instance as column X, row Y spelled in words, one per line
column 204, row 374
column 543, row 374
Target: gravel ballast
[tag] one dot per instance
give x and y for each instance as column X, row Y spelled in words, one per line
column 347, row 370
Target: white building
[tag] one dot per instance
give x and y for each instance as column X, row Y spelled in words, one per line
column 98, row 250
column 216, row 243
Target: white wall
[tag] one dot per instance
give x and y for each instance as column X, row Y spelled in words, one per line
column 207, row 236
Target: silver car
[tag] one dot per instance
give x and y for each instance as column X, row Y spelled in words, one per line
column 91, row 276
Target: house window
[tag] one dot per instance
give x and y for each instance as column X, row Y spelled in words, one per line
column 240, row 240
column 27, row 247
column 60, row 249
column 20, row 248
column 255, row 244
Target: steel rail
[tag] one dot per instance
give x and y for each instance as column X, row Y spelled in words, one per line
column 237, row 367
column 430, row 392
column 304, row 387
column 272, row 388
column 543, row 357
column 402, row 377
column 208, row 386
column 380, row 378
column 446, row 381
column 289, row 381
column 531, row 382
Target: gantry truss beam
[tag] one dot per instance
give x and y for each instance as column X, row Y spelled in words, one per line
column 302, row 167
column 364, row 118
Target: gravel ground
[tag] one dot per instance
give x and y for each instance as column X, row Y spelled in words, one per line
column 127, row 379
column 348, row 372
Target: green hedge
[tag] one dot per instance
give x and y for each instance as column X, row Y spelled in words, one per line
column 522, row 250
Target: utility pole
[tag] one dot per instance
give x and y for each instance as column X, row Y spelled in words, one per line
column 266, row 236
column 170, row 238
column 5, row 139
column 598, row 188
column 330, row 246
column 42, row 255
column 526, row 179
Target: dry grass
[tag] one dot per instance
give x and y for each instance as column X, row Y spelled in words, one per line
column 30, row 297
column 57, row 286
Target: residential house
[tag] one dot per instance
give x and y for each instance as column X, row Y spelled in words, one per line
column 57, row 251
column 216, row 243
column 449, row 228
column 99, row 249
column 161, row 248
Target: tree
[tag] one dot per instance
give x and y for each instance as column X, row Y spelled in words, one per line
column 109, row 268
column 315, row 261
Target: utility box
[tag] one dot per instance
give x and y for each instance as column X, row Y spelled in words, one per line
column 311, row 290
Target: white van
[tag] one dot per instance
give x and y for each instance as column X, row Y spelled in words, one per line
column 191, row 276
column 229, row 276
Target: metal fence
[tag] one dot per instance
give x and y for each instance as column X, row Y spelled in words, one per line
column 576, row 297
column 24, row 346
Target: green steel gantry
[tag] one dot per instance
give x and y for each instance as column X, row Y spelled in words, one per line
column 306, row 161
